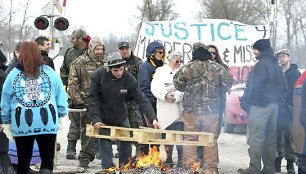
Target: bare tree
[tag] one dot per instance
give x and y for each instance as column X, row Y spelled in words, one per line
column 245, row 11
column 159, row 10
column 24, row 20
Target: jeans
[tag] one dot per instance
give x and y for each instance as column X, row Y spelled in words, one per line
column 106, row 149
column 262, row 138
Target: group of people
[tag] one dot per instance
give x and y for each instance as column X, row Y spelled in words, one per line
column 119, row 89
column 268, row 100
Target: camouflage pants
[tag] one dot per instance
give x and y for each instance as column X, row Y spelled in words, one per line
column 135, row 120
column 88, row 145
column 201, row 123
column 74, row 128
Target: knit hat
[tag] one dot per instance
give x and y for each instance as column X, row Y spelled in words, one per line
column 115, row 59
column 94, row 42
column 262, row 44
column 282, row 51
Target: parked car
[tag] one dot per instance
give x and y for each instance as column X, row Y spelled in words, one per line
column 234, row 117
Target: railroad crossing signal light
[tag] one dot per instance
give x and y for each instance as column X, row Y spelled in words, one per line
column 41, row 23
column 61, row 23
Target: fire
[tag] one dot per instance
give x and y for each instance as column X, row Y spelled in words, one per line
column 151, row 159
column 196, row 166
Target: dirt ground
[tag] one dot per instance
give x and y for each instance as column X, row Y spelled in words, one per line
column 232, row 154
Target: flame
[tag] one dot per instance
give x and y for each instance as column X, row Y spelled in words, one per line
column 196, row 166
column 151, row 159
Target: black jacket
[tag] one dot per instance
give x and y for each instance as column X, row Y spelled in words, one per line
column 268, row 83
column 107, row 97
column 292, row 74
column 47, row 59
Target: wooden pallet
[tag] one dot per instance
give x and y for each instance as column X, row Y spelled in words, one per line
column 150, row 136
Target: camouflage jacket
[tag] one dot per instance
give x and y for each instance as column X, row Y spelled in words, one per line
column 201, row 82
column 79, row 79
column 133, row 69
column 70, row 55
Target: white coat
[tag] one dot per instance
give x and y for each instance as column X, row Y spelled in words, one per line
column 162, row 83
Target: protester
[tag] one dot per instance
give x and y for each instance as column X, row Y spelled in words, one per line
column 155, row 54
column 200, row 80
column 169, row 105
column 267, row 87
column 215, row 56
column 108, row 91
column 78, row 86
column 5, row 162
column 44, row 46
column 12, row 144
column 79, row 40
column 301, row 158
column 32, row 102
column 135, row 118
column 284, row 140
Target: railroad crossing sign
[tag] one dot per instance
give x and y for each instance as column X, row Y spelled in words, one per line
column 52, row 3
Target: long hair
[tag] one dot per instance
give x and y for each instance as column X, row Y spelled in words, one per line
column 30, row 58
column 218, row 57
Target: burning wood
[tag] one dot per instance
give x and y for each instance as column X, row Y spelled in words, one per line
column 152, row 164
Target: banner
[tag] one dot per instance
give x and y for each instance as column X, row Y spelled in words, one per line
column 233, row 39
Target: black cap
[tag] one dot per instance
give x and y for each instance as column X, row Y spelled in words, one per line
column 124, row 44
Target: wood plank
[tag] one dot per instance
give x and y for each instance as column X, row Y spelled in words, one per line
column 152, row 136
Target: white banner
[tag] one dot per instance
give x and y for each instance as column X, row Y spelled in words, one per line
column 233, row 39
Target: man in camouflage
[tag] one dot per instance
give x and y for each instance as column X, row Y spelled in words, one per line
column 79, row 45
column 78, row 86
column 200, row 80
column 132, row 65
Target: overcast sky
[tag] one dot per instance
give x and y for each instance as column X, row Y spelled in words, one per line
column 101, row 17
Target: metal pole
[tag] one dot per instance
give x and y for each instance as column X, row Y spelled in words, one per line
column 272, row 24
column 51, row 25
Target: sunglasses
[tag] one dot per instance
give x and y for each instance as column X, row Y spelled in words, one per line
column 160, row 52
column 213, row 53
column 178, row 61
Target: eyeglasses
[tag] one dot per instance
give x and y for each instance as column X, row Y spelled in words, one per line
column 160, row 52
column 213, row 53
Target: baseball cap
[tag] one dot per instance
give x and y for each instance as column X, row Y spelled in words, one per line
column 282, row 51
column 78, row 33
column 124, row 44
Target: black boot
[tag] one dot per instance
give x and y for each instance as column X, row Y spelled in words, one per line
column 290, row 167
column 278, row 162
column 71, row 152
column 169, row 150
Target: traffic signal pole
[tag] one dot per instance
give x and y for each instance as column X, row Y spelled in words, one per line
column 51, row 33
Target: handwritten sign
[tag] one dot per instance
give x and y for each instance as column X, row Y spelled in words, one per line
column 233, row 39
